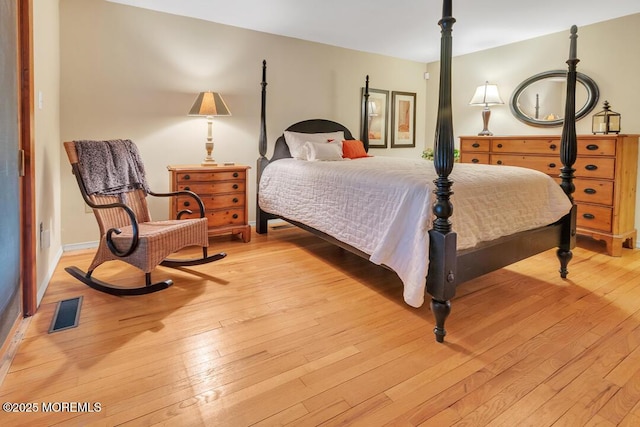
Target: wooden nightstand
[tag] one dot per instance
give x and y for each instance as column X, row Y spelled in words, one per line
column 223, row 190
column 606, row 173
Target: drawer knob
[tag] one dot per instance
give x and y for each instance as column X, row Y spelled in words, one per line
column 553, row 146
column 592, row 147
column 235, row 216
column 235, row 174
column 475, row 161
column 187, row 203
column 590, row 191
column 476, row 145
column 187, row 176
column 187, row 189
column 588, row 216
column 591, row 167
column 552, row 165
column 235, row 200
column 235, row 186
column 499, row 162
column 499, row 145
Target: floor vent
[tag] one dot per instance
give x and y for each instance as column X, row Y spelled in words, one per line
column 67, row 315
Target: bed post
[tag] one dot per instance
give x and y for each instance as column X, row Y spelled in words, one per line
column 441, row 279
column 568, row 155
column 261, row 216
column 364, row 136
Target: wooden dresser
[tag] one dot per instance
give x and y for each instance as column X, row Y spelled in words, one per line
column 606, row 174
column 223, row 190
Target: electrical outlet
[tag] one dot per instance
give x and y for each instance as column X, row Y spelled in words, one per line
column 45, row 237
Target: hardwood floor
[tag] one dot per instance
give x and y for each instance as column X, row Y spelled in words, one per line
column 313, row 335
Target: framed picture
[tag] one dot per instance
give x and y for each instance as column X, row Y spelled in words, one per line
column 378, row 117
column 403, row 119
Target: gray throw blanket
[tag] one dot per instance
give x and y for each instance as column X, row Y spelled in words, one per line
column 110, row 167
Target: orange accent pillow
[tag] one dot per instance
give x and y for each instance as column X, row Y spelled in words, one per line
column 353, row 149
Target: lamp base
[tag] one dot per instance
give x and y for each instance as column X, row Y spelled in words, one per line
column 209, row 162
column 485, row 133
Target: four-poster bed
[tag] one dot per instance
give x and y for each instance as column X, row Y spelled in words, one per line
column 402, row 238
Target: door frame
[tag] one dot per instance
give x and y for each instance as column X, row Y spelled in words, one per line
column 26, row 144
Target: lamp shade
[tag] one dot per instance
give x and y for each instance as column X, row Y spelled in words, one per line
column 209, row 104
column 486, row 94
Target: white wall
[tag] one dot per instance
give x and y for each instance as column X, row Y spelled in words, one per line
column 133, row 73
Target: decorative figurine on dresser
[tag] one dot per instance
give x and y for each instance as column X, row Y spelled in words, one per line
column 606, row 174
column 223, row 190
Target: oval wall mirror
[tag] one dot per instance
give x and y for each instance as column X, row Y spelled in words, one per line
column 539, row 100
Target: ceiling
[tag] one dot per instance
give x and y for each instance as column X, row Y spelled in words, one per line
column 400, row 28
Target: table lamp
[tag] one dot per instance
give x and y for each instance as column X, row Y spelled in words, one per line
column 209, row 104
column 486, row 94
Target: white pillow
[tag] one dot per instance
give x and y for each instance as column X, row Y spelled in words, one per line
column 296, row 140
column 322, row 151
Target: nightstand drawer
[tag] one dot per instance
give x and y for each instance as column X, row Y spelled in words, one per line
column 211, row 176
column 212, row 202
column 221, row 217
column 482, row 158
column 204, row 188
column 594, row 217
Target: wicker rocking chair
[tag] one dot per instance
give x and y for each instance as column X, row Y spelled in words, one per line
column 127, row 232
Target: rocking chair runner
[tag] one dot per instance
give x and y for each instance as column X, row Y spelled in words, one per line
column 127, row 232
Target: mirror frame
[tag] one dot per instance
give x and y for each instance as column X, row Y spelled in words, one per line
column 593, row 93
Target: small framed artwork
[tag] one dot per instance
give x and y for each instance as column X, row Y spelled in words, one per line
column 378, row 122
column 403, row 119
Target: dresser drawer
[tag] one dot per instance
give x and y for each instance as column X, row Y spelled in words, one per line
column 595, row 167
column 547, row 164
column 212, row 202
column 594, row 217
column 204, row 188
column 185, row 177
column 471, row 145
column 599, row 147
column 530, row 146
column 593, row 191
column 482, row 158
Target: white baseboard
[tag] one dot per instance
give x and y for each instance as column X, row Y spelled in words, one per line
column 80, row 246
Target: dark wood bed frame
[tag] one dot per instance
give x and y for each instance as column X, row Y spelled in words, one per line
column 449, row 267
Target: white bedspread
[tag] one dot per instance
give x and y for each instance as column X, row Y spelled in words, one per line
column 382, row 206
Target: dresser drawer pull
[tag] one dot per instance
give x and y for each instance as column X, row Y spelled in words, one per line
column 590, row 191
column 591, row 167
column 235, row 200
column 235, row 174
column 499, row 145
column 187, row 188
column 553, row 146
column 476, row 145
column 475, row 161
column 552, row 165
column 235, row 216
column 235, row 186
column 187, row 203
column 592, row 147
column 588, row 216
column 186, row 177
column 499, row 162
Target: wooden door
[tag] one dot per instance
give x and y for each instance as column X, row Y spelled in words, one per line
column 10, row 224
